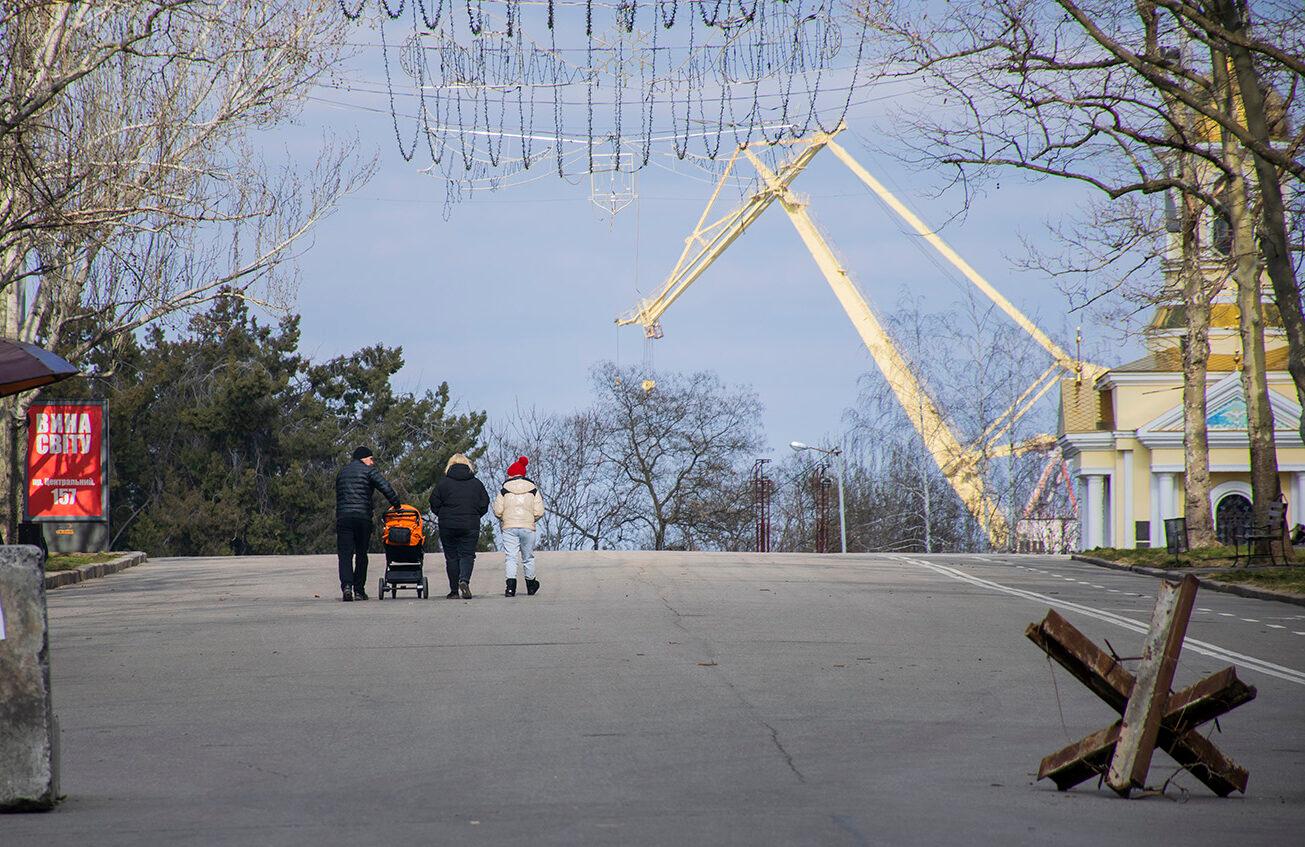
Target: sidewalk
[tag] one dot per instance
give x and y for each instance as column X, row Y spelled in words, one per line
column 58, row 579
column 1202, row 574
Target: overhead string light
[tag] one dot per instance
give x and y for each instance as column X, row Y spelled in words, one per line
column 479, row 77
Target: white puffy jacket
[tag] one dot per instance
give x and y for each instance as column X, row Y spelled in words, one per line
column 518, row 504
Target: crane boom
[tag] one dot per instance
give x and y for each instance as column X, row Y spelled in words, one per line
column 960, row 464
column 924, row 415
column 713, row 239
column 1021, row 320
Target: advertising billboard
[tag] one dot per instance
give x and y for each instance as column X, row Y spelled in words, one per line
column 67, row 451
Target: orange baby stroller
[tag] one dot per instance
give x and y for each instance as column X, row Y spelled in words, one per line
column 404, row 540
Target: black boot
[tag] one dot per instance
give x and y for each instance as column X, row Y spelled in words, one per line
column 347, row 591
column 532, row 585
column 511, row 588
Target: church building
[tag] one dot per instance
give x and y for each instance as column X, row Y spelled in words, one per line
column 1122, row 435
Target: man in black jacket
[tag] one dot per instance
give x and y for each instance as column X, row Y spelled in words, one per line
column 459, row 501
column 354, row 485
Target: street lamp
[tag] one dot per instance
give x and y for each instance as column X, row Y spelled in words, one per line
column 841, row 468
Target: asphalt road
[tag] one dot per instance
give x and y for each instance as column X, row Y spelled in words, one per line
column 659, row 699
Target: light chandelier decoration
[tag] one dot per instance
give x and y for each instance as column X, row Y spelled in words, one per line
column 492, row 89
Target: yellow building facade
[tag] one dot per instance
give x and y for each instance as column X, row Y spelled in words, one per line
column 1123, row 435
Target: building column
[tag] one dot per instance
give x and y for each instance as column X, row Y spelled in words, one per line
column 1157, row 532
column 1128, row 536
column 1168, row 509
column 1097, row 511
column 1297, row 500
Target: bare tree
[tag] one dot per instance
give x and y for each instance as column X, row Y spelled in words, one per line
column 679, row 451
column 975, row 371
column 585, row 510
column 1110, row 94
column 131, row 189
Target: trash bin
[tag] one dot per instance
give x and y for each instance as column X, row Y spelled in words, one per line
column 1176, row 535
column 31, row 532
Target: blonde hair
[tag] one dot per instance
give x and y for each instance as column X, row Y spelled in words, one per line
column 459, row 459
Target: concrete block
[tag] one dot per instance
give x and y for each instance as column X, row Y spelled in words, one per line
column 29, row 753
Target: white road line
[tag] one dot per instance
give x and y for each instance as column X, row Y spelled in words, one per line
column 1294, row 632
column 1251, row 620
column 1204, row 648
column 1227, row 615
column 1275, row 626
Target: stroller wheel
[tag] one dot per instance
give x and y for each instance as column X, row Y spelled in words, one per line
column 425, row 588
column 380, row 591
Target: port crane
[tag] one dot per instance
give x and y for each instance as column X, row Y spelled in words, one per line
column 961, row 464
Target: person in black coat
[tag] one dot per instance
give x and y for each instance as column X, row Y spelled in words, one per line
column 354, row 485
column 458, row 502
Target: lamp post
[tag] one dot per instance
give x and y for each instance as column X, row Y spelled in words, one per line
column 841, row 467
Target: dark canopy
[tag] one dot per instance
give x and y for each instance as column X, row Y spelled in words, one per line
column 24, row 366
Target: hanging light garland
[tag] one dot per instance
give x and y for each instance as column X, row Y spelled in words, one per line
column 759, row 69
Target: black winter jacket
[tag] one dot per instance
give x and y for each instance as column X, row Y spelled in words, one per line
column 353, row 490
column 460, row 500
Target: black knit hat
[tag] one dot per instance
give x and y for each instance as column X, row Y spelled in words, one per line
column 361, row 453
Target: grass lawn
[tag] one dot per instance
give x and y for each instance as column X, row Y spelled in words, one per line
column 1280, row 579
column 1157, row 557
column 67, row 561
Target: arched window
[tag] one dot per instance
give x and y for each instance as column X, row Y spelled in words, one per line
column 1232, row 517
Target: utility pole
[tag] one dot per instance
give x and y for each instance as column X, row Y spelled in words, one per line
column 841, row 470
column 761, row 490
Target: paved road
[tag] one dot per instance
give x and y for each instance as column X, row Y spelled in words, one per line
column 652, row 699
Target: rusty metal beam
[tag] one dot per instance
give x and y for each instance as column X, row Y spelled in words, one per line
column 1184, row 711
column 1081, row 760
column 1207, row 763
column 1154, row 676
column 1084, row 660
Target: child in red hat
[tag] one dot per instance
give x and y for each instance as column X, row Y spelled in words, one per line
column 518, row 506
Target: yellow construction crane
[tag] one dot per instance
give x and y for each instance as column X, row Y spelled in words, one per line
column 960, row 464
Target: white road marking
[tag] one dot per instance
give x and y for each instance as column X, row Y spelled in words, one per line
column 1275, row 626
column 1204, row 648
column 1227, row 615
column 1250, row 620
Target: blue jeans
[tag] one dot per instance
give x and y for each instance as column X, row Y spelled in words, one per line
column 522, row 540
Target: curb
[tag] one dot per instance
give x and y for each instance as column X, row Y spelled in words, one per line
column 1202, row 574
column 59, row 579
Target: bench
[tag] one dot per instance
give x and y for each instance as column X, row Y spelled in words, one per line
column 1268, row 526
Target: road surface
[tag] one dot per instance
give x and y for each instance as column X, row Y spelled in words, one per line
column 640, row 698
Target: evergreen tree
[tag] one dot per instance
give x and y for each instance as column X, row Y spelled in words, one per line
column 226, row 441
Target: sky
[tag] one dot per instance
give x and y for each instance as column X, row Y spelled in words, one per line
column 512, row 297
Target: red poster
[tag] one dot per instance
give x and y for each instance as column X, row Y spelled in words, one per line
column 65, row 460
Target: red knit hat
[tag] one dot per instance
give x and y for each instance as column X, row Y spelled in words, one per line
column 518, row 468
